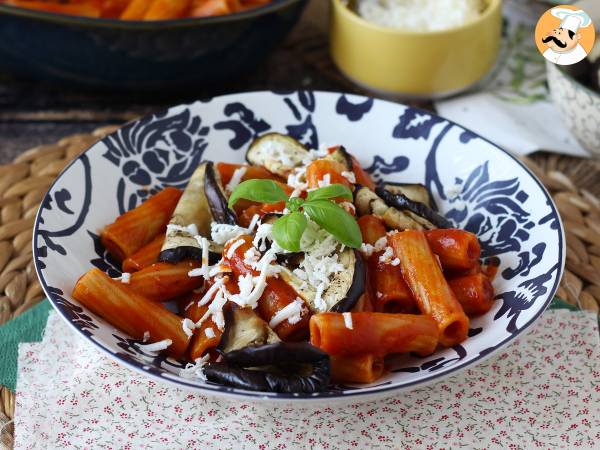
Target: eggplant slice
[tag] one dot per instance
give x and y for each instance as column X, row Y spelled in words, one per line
column 414, row 191
column 202, row 203
column 368, row 202
column 276, row 152
column 280, row 367
column 418, row 211
column 342, row 156
column 345, row 287
column 243, row 328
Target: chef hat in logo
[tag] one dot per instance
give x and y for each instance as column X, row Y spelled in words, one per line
column 572, row 20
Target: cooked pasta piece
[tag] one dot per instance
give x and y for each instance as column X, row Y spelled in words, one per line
column 167, row 9
column 136, row 10
column 428, row 285
column 160, row 282
column 207, row 336
column 322, row 172
column 474, row 292
column 389, row 290
column 372, row 228
column 356, row 369
column 276, row 296
column 227, row 171
column 123, row 308
column 457, row 249
column 145, row 256
column 137, row 227
column 373, row 333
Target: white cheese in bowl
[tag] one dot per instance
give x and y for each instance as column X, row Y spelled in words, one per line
column 419, row 15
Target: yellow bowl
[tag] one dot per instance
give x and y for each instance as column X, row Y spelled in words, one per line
column 415, row 64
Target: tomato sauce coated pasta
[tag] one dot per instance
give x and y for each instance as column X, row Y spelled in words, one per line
column 289, row 273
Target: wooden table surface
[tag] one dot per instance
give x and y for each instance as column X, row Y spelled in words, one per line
column 34, row 112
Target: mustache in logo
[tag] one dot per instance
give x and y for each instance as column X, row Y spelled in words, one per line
column 556, row 41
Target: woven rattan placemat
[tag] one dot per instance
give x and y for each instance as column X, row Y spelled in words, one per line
column 573, row 183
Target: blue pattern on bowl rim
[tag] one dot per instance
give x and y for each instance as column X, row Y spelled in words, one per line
column 477, row 185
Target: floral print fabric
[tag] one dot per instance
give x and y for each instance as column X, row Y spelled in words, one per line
column 542, row 391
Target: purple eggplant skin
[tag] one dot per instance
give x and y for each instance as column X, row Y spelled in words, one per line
column 287, row 357
column 217, row 202
column 356, row 289
column 403, row 203
column 174, row 255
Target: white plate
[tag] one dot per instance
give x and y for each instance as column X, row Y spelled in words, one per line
column 474, row 183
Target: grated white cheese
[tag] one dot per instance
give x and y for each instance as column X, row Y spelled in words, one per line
column 380, row 243
column 203, row 269
column 248, row 297
column 395, row 262
column 348, row 320
column 210, row 292
column 320, row 261
column 125, row 277
column 263, row 232
column 155, row 347
column 387, row 255
column 216, row 307
column 195, row 370
column 326, row 181
column 210, row 333
column 420, row 15
column 245, row 286
column 275, row 150
column 253, row 222
column 236, row 178
column 233, row 247
column 221, row 232
column 349, row 176
column 218, row 269
column 251, row 256
column 291, row 312
column 367, row 249
column 453, row 191
column 146, row 336
column 188, row 326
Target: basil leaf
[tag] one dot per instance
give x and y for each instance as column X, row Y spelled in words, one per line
column 287, row 230
column 331, row 191
column 294, row 204
column 335, row 220
column 264, row 191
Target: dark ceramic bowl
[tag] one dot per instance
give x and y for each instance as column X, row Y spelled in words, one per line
column 141, row 55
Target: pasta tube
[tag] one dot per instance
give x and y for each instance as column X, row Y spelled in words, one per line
column 457, row 249
column 145, row 256
column 373, row 333
column 428, row 285
column 127, row 310
column 163, row 281
column 356, row 369
column 134, row 229
column 474, row 292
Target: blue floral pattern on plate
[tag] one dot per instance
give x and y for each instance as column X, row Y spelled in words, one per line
column 474, row 184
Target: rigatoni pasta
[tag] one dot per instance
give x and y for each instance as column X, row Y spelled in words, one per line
column 432, row 293
column 290, row 273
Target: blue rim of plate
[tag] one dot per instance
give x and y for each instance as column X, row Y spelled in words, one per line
column 234, row 393
column 135, row 25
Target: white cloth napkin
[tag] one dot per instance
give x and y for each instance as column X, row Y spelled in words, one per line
column 512, row 107
column 543, row 391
